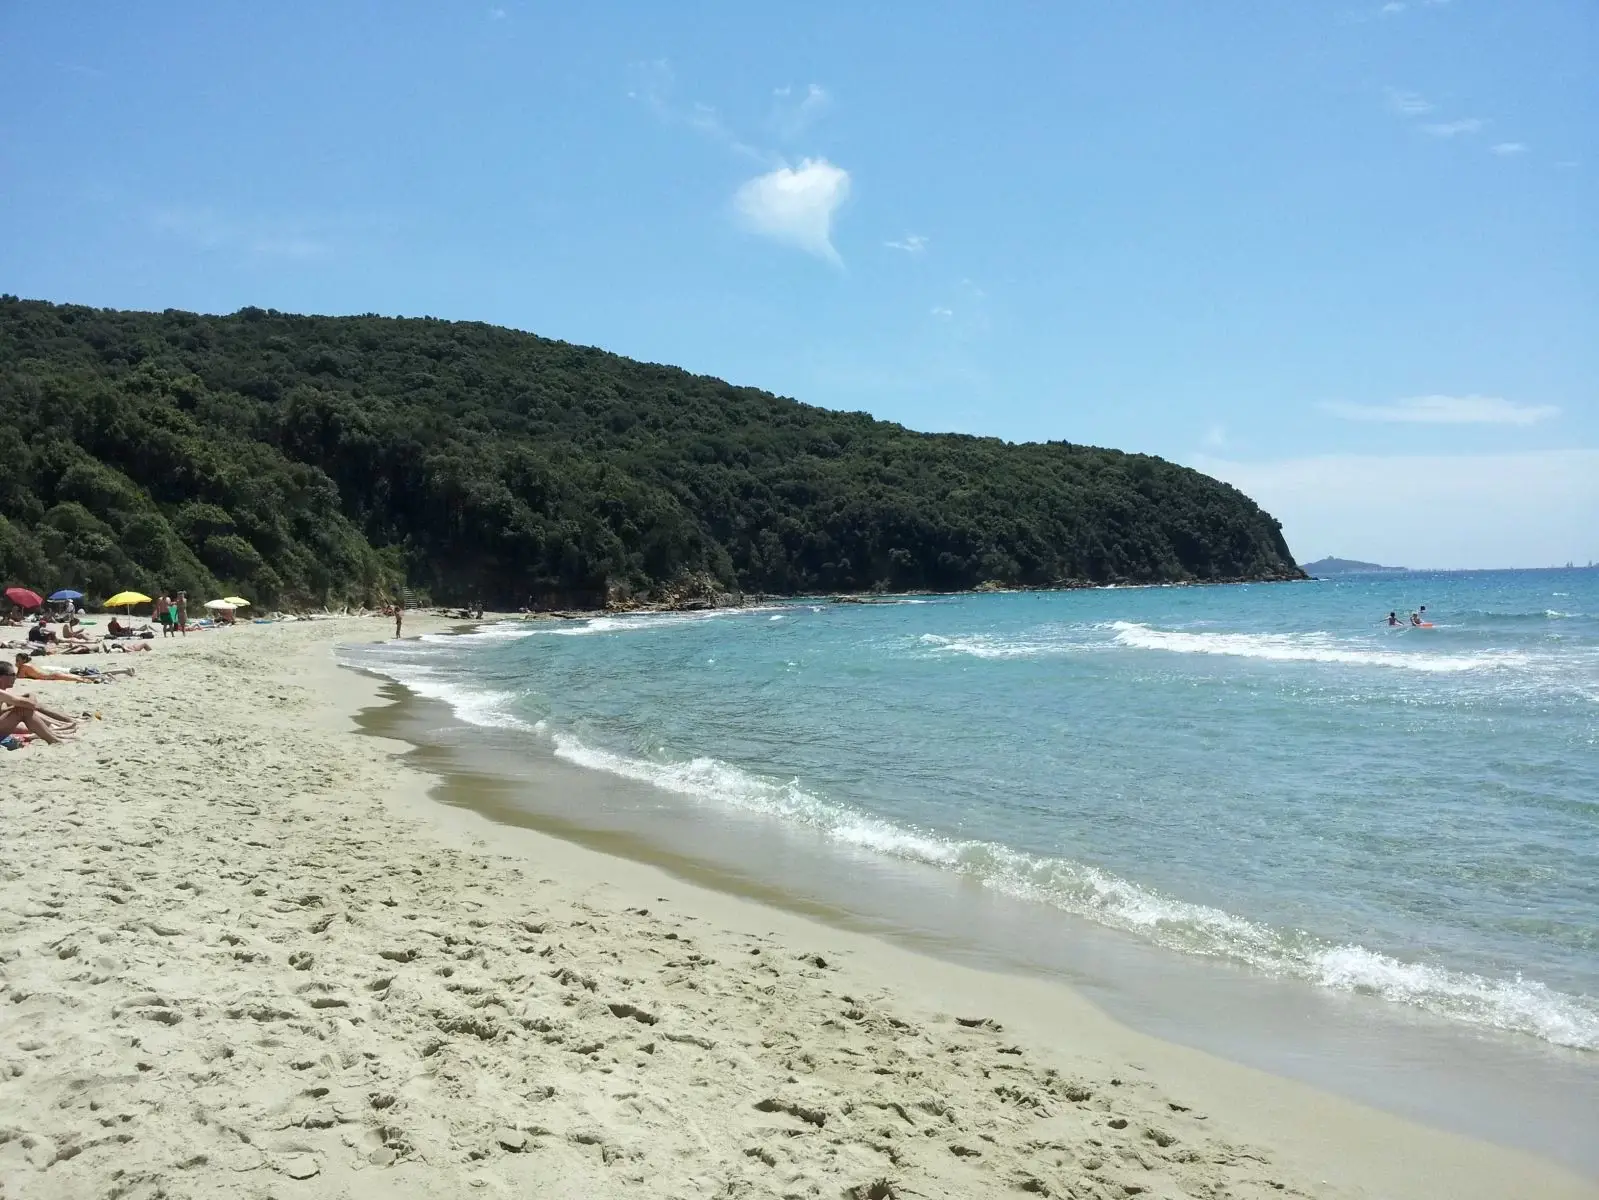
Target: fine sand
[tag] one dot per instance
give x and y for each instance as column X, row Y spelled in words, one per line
column 243, row 954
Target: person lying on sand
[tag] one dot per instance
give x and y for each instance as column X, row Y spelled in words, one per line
column 8, row 678
column 26, row 670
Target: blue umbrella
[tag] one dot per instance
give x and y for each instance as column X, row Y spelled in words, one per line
column 67, row 594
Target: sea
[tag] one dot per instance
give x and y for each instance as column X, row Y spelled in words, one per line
column 1264, row 777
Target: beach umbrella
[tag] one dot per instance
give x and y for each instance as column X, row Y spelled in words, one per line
column 66, row 594
column 219, row 604
column 127, row 600
column 23, row 598
column 237, row 601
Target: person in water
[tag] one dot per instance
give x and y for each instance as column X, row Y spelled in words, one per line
column 1393, row 618
column 1415, row 618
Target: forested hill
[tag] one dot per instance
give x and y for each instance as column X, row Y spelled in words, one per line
column 311, row 459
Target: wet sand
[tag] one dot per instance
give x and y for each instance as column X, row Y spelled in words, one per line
column 1500, row 1087
column 245, row 952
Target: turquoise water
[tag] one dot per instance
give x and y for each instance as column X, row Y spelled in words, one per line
column 1261, row 774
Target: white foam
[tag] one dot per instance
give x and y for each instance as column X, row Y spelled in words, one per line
column 484, row 707
column 986, row 645
column 1515, row 1005
column 1302, row 647
column 1087, row 891
column 635, row 622
column 502, row 630
column 499, row 631
column 713, row 780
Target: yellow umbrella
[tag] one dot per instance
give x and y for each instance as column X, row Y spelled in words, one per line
column 126, row 599
column 237, row 601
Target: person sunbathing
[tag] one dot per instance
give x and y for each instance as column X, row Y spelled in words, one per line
column 41, row 633
column 26, row 670
column 29, row 714
column 73, row 631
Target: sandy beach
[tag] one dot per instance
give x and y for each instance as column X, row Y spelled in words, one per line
column 243, row 953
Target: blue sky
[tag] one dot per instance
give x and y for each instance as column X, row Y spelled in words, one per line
column 1344, row 255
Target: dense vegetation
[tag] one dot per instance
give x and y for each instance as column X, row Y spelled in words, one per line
column 312, row 459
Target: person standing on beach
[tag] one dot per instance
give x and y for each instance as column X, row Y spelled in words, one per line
column 163, row 614
column 399, row 616
column 181, row 609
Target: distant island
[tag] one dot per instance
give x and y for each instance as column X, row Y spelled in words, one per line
column 303, row 460
column 1347, row 566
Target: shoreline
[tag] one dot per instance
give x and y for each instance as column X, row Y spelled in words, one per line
column 1406, row 1062
column 246, row 949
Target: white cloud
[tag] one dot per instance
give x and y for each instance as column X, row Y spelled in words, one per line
column 1498, row 510
column 655, row 85
column 288, row 246
column 1394, row 7
column 943, row 314
column 911, row 243
column 206, row 229
column 496, row 14
column 1447, row 410
column 796, row 205
column 1408, row 104
column 1509, row 148
column 793, row 116
column 1449, row 129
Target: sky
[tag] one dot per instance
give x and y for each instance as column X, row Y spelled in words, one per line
column 1344, row 256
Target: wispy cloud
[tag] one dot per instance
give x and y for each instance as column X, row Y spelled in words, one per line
column 791, row 204
column 911, row 243
column 1215, row 438
column 963, row 312
column 795, row 110
column 496, row 14
column 655, row 86
column 796, row 205
column 1447, row 410
column 1408, row 104
column 1509, row 148
column 1412, row 105
column 1394, row 7
column 204, row 228
column 1449, row 129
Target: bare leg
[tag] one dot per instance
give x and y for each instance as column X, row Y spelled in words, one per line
column 11, row 718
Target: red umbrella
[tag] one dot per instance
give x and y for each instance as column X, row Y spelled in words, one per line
column 23, row 598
